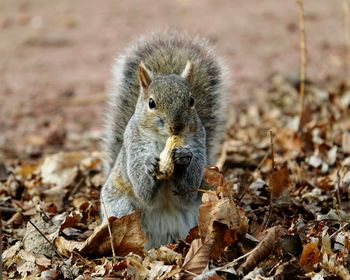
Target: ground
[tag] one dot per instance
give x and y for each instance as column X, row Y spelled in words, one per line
column 279, row 209
column 56, row 57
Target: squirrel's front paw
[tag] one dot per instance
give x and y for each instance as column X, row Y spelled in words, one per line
column 152, row 165
column 182, row 156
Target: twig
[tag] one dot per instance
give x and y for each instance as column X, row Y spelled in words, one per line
column 109, row 230
column 272, row 151
column 346, row 9
column 43, row 235
column 76, row 187
column 273, row 169
column 267, row 220
column 302, row 62
column 190, row 273
column 338, row 189
column 70, row 194
column 234, row 262
column 339, row 230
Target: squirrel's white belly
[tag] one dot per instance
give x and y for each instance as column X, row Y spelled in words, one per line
column 169, row 221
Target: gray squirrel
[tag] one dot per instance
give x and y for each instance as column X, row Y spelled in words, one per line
column 164, row 84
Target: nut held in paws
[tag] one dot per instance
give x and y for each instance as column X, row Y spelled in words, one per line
column 166, row 164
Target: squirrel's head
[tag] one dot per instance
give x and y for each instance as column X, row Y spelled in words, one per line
column 167, row 104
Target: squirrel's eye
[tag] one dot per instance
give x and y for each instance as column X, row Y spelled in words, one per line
column 151, row 103
column 191, row 101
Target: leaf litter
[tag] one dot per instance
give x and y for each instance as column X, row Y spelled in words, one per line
column 277, row 211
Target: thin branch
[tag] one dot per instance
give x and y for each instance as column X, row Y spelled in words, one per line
column 272, row 151
column 190, row 273
column 346, row 9
column 235, row 261
column 43, row 235
column 338, row 186
column 339, row 230
column 109, row 230
column 302, row 62
column 19, row 211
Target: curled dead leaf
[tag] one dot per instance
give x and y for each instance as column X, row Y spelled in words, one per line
column 127, row 237
column 262, row 250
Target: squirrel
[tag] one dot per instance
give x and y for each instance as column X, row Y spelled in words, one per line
column 167, row 83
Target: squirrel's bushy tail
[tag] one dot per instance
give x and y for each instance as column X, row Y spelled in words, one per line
column 167, row 53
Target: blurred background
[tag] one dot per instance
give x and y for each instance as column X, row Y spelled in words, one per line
column 55, row 57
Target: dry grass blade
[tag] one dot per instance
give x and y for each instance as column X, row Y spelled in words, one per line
column 109, row 230
column 262, row 250
column 302, row 61
column 272, row 150
column 196, row 258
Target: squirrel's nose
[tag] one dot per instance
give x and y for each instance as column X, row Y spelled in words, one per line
column 174, row 129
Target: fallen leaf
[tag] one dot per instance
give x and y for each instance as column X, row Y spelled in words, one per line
column 196, row 259
column 310, row 256
column 127, row 237
column 71, row 219
column 165, row 255
column 262, row 250
column 9, row 254
column 279, row 182
column 61, row 169
column 346, row 142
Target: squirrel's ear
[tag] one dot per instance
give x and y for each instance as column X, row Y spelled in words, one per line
column 145, row 76
column 187, row 72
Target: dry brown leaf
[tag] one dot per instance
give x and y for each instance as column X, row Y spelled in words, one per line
column 204, row 218
column 26, row 169
column 213, row 177
column 229, row 213
column 8, row 256
column 61, row 169
column 196, row 259
column 288, row 140
column 49, row 274
column 310, row 256
column 160, row 271
column 70, row 220
column 279, row 181
column 166, row 255
column 346, row 142
column 127, row 237
column 223, row 211
column 15, row 220
column 324, row 183
column 66, row 247
column 43, row 261
column 220, row 236
column 262, row 250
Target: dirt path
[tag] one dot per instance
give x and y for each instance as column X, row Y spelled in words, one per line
column 55, row 57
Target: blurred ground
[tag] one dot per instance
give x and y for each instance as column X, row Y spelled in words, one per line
column 55, row 56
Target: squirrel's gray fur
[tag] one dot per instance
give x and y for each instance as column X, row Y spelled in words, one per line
column 168, row 67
